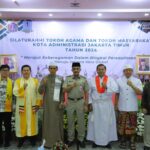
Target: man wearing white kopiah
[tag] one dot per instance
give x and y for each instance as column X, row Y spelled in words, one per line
column 127, row 105
column 102, row 121
column 51, row 88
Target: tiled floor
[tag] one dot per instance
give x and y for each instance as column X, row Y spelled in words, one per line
column 27, row 146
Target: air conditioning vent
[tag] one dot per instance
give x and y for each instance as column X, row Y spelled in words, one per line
column 75, row 4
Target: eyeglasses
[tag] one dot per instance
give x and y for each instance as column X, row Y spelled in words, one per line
column 52, row 68
column 5, row 70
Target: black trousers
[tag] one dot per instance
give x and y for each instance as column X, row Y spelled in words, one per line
column 5, row 117
column 31, row 138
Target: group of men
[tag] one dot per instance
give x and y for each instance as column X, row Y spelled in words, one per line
column 28, row 101
column 76, row 95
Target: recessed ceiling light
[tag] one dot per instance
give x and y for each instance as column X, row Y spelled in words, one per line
column 50, row 15
column 14, row 0
column 99, row 14
column 146, row 14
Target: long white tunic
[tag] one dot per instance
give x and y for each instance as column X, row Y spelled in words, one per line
column 102, row 120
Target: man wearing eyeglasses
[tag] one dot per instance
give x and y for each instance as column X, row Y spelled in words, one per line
column 101, row 121
column 5, row 104
column 51, row 88
column 28, row 102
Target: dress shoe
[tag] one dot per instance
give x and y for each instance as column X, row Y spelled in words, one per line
column 6, row 145
column 47, row 147
column 123, row 145
column 82, row 144
column 1, row 144
column 146, row 148
column 20, row 144
column 70, row 143
column 108, row 146
column 94, row 145
column 33, row 144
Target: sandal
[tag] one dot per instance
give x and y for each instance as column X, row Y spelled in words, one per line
column 132, row 146
column 123, row 145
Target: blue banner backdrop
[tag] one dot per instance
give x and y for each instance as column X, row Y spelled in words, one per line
column 38, row 43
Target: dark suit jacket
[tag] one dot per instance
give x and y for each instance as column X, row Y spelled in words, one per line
column 146, row 97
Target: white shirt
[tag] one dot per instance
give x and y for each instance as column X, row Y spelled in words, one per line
column 127, row 96
column 94, row 95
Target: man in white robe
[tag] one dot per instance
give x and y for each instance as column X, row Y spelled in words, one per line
column 102, row 120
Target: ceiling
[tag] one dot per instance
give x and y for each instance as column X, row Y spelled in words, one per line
column 75, row 9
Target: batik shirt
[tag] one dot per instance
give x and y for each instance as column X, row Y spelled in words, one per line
column 3, row 85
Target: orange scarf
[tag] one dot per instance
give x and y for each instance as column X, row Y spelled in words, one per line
column 98, row 86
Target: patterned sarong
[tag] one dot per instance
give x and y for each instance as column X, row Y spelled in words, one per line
column 127, row 122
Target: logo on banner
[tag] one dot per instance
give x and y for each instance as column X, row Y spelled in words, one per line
column 143, row 25
column 7, row 27
column 3, row 29
column 12, row 27
column 27, row 26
